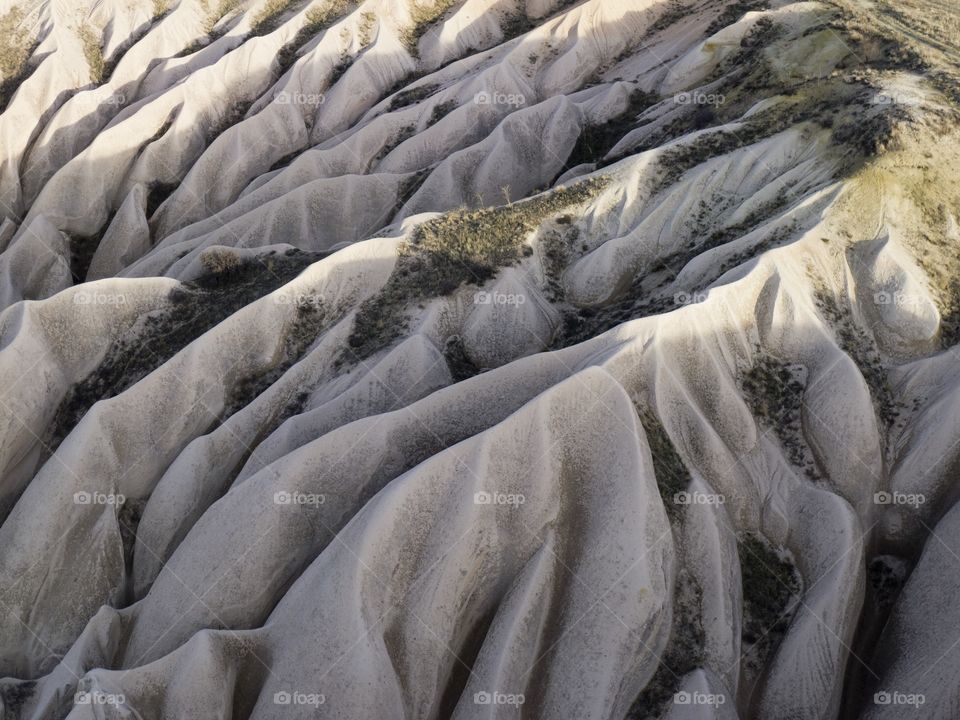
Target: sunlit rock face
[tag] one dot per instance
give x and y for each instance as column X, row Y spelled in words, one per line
column 437, row 359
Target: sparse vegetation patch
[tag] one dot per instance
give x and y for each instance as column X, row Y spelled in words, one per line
column 683, row 654
column 461, row 247
column 862, row 349
column 771, row 589
column 411, row 96
column 423, row 14
column 318, row 19
column 734, row 12
column 307, row 323
column 216, row 10
column 652, row 291
column 774, row 391
column 16, row 44
column 459, row 364
column 160, row 8
column 13, row 695
column 189, row 311
column 269, row 16
column 92, row 44
column 671, row 472
column 596, row 141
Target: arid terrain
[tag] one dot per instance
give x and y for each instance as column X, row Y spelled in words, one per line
column 428, row 359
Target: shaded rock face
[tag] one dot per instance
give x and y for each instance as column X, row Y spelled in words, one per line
column 440, row 359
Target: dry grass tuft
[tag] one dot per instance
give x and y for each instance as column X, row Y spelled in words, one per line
column 15, row 44
column 93, row 51
column 160, row 8
column 216, row 10
column 267, row 18
column 423, row 13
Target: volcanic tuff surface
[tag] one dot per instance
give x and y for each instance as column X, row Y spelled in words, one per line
column 423, row 358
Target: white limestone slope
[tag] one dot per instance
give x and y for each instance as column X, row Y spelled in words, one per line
column 478, row 359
